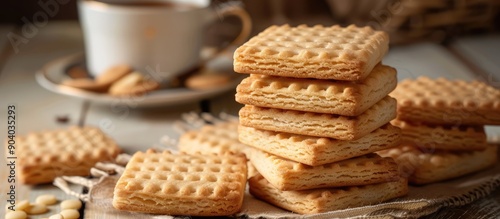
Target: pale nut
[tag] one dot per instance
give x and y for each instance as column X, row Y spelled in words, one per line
column 70, row 214
column 37, row 209
column 71, row 204
column 16, row 215
column 22, row 205
column 46, row 199
column 56, row 216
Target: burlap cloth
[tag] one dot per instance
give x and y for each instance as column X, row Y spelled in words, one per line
column 421, row 200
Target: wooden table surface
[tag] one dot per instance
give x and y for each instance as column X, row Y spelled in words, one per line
column 139, row 129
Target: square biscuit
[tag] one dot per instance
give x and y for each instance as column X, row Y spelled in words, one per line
column 229, row 127
column 316, row 151
column 182, row 184
column 315, row 201
column 338, row 53
column 218, row 138
column 42, row 156
column 442, row 137
column 319, row 124
column 319, row 96
column 424, row 166
column 443, row 101
column 286, row 174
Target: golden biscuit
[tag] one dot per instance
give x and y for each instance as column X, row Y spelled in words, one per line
column 318, row 124
column 182, row 184
column 319, row 96
column 428, row 166
column 338, row 53
column 323, row 200
column 42, row 156
column 291, row 175
column 443, row 101
column 315, row 151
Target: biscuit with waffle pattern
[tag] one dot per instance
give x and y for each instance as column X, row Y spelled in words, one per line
column 218, row 138
column 182, row 184
column 424, row 166
column 42, row 156
column 319, row 96
column 443, row 101
column 315, row 201
column 335, row 52
column 320, row 124
column 442, row 137
column 286, row 174
column 318, row 150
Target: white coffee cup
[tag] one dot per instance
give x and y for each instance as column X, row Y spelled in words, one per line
column 165, row 36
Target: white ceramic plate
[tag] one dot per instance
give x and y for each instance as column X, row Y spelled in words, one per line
column 51, row 75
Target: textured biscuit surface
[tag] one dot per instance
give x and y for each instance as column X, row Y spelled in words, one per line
column 219, row 138
column 182, row 184
column 427, row 166
column 318, row 150
column 318, row 124
column 443, row 101
column 442, row 137
column 44, row 155
column 324, row 200
column 320, row 96
column 339, row 53
column 291, row 175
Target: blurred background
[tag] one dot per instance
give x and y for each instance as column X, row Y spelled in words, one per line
column 407, row 21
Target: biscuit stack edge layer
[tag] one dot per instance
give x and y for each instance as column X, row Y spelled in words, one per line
column 316, row 109
column 442, row 124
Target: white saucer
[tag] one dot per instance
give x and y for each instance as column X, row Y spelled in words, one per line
column 51, row 75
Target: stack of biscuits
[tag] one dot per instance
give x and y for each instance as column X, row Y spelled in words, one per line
column 316, row 109
column 442, row 124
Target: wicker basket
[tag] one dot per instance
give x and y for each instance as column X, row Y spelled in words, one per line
column 414, row 20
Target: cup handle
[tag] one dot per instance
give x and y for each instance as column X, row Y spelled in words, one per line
column 246, row 27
